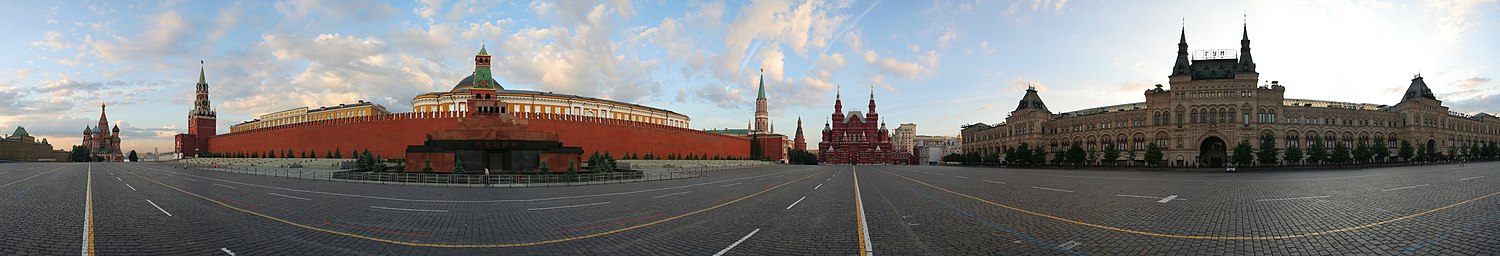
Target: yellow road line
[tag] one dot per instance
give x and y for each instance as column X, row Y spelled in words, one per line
column 1200, row 237
column 470, row 245
column 88, row 212
column 859, row 208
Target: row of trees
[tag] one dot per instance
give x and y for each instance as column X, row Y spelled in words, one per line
column 82, row 153
column 1026, row 155
column 1243, row 154
column 333, row 154
column 1319, row 152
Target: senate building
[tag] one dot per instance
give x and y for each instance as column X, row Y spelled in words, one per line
column 1216, row 100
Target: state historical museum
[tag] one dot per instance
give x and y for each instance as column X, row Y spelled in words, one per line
column 855, row 138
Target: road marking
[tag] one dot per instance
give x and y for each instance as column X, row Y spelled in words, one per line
column 118, row 178
column 799, row 200
column 672, row 194
column 736, row 243
column 1053, row 189
column 1136, row 196
column 226, row 250
column 189, row 179
column 88, row 212
column 760, row 179
column 961, row 177
column 1069, row 245
column 490, row 245
column 222, row 185
column 1470, row 178
column 730, row 185
column 1292, row 198
column 158, row 207
column 991, row 181
column 819, row 186
column 286, row 196
column 404, row 209
column 941, row 174
column 828, row 179
column 568, row 206
column 39, row 174
column 1168, row 199
column 865, row 247
column 1406, row 187
column 132, row 188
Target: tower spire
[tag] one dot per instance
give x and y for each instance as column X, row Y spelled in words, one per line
column 1182, row 65
column 1247, row 64
column 201, row 78
column 762, row 84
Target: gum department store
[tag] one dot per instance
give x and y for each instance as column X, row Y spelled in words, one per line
column 1213, row 103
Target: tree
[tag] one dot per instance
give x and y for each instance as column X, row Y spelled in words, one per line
column 1268, row 151
column 1075, row 154
column 1340, row 154
column 1038, row 156
column 80, row 153
column 368, row 158
column 1241, row 154
column 1010, row 156
column 1153, row 154
column 1059, row 157
column 1362, row 152
column 1452, row 151
column 379, row 164
column 1111, row 154
column 1380, row 151
column 337, row 154
column 132, row 156
column 755, row 147
column 953, row 157
column 1317, row 153
column 1130, row 154
column 1293, row 154
column 1421, row 154
column 1407, row 152
column 458, row 164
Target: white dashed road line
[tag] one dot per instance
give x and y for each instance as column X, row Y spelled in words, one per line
column 736, row 243
column 1053, row 189
column 672, row 194
column 1168, row 199
column 568, row 206
column 961, row 177
column 226, row 250
column 1069, row 245
column 158, row 207
column 1406, row 187
column 132, row 188
column 991, row 181
column 191, row 179
column 1292, row 198
column 1136, row 196
column 222, row 185
column 286, row 196
column 1470, row 178
column 404, row 209
column 730, row 185
column 799, row 200
column 819, row 186
column 118, row 178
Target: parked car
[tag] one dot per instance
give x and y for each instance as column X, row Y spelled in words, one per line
column 1229, row 168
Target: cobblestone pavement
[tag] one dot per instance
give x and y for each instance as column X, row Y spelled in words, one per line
column 146, row 209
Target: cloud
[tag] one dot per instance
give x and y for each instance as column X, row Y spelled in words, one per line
column 1462, row 15
column 167, row 35
column 52, row 40
column 336, row 10
column 1018, row 84
column 947, row 37
column 984, row 46
column 1055, row 6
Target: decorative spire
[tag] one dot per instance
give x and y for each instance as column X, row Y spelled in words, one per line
column 102, row 118
column 482, row 51
column 1182, row 65
column 1246, row 64
column 201, row 79
column 1417, row 89
column 762, row 84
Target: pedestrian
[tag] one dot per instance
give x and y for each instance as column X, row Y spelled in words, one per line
column 486, row 177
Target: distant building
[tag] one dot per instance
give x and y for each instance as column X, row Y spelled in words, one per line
column 21, row 146
column 303, row 115
column 800, row 142
column 855, row 138
column 929, row 150
column 102, row 141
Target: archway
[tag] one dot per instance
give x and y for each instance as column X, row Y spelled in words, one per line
column 1211, row 152
column 1431, row 148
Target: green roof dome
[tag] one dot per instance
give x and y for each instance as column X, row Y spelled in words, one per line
column 468, row 83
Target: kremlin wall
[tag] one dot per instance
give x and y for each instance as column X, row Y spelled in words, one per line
column 592, row 125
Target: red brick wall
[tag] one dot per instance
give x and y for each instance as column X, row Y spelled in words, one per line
column 388, row 136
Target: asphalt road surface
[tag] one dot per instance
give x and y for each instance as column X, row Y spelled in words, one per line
column 146, row 209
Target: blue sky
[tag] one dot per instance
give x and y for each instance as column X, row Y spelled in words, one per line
column 937, row 64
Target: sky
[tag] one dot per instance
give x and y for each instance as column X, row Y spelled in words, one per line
column 938, row 64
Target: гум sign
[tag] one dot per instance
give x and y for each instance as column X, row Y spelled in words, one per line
column 1215, row 54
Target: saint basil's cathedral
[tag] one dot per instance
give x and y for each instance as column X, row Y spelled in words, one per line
column 102, row 141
